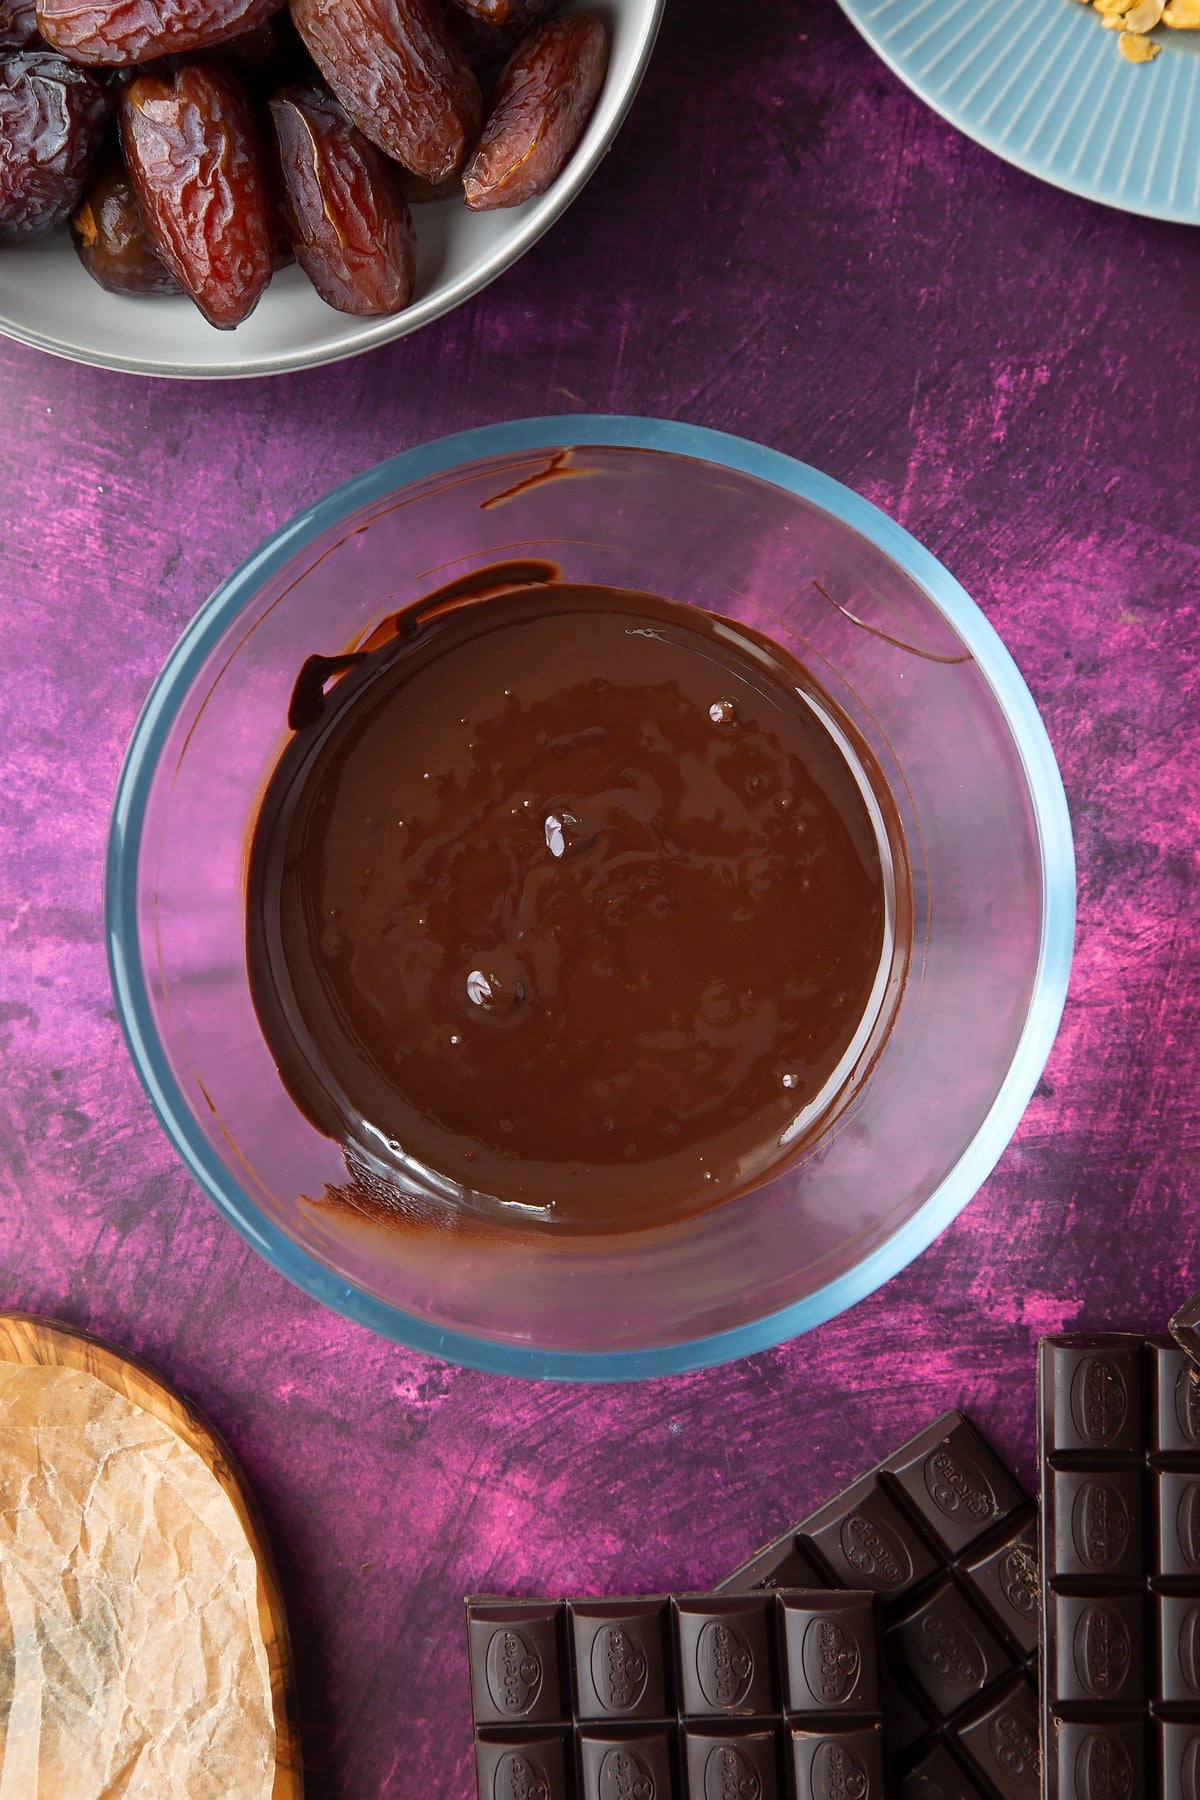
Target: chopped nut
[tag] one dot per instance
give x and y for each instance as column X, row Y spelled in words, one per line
column 1133, row 19
column 1137, row 49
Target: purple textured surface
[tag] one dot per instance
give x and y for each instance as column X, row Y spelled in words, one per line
column 784, row 244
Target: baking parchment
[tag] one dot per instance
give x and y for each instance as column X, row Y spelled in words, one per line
column 132, row 1663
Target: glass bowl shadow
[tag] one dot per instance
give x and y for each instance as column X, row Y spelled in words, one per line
column 702, row 518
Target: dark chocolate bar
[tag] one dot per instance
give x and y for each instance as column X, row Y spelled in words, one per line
column 770, row 1696
column 949, row 1543
column 1119, row 1433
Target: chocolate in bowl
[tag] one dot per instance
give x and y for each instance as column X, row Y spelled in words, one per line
column 964, row 1027
column 572, row 904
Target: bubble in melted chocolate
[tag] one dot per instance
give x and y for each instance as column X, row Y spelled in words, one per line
column 567, row 834
column 496, row 989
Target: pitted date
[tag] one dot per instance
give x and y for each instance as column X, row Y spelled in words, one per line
column 122, row 32
column 350, row 224
column 542, row 102
column 52, row 118
column 192, row 150
column 112, row 242
column 18, row 25
column 395, row 69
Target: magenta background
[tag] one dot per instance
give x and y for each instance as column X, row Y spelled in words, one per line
column 784, row 244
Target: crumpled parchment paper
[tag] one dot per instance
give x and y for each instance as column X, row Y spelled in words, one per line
column 131, row 1660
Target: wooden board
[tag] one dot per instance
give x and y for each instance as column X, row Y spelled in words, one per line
column 30, row 1340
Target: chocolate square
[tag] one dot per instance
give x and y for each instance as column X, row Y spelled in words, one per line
column 949, row 1652
column 1001, row 1742
column 1177, row 1513
column 938, row 1777
column 516, row 1666
column 724, row 1646
column 626, row 1763
column 829, row 1654
column 829, row 1763
column 778, row 1566
column 1177, row 1646
column 1098, row 1648
column 1093, row 1398
column 1178, row 1761
column 1100, row 1758
column 1098, row 1527
column 1008, row 1579
column 524, row 1766
column 956, row 1486
column 1176, row 1381
column 618, row 1649
column 721, row 1760
column 867, row 1541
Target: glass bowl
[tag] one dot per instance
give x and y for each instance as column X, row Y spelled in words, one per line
column 724, row 524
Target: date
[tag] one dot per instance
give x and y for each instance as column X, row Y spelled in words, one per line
column 495, row 12
column 350, row 224
column 122, row 32
column 18, row 25
column 402, row 80
column 112, row 242
column 542, row 102
column 52, row 120
column 196, row 164
column 488, row 41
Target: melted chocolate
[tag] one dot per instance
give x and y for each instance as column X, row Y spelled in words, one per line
column 573, row 899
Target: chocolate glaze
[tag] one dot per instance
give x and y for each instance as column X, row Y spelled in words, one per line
column 569, row 899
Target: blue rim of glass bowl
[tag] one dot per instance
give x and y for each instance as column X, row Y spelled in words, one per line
column 946, row 1201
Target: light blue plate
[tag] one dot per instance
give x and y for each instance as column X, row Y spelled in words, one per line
column 1042, row 84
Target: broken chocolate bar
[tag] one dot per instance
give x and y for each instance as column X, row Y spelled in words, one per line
column 948, row 1541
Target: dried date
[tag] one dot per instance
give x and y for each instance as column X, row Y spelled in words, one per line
column 192, row 150
column 486, row 40
column 18, row 25
column 52, row 119
column 495, row 12
column 122, row 32
column 542, row 102
column 350, row 224
column 112, row 242
column 395, row 69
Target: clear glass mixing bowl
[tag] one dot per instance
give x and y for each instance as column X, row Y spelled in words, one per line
column 723, row 524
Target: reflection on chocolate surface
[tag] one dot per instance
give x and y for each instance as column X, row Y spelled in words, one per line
column 572, row 899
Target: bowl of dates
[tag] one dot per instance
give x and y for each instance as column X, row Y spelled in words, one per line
column 237, row 187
